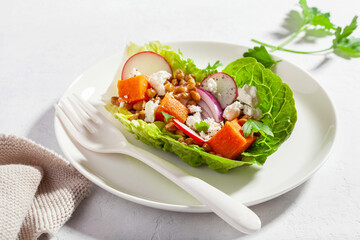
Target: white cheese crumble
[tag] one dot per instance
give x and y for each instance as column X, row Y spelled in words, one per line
column 210, row 86
column 157, row 81
column 214, row 127
column 194, row 109
column 248, row 94
column 233, row 111
column 150, row 109
column 191, row 120
column 254, row 112
column 126, row 96
column 134, row 72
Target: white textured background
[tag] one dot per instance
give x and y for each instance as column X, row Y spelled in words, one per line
column 45, row 45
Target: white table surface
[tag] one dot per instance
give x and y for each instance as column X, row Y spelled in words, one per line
column 45, row 45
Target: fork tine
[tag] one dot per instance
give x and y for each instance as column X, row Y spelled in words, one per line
column 84, row 119
column 88, row 108
column 66, row 122
column 64, row 113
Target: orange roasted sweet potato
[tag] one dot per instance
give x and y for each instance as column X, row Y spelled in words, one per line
column 173, row 107
column 229, row 141
column 133, row 89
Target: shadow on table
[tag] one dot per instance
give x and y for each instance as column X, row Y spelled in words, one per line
column 105, row 216
column 43, row 131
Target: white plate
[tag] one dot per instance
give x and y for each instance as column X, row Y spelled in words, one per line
column 296, row 160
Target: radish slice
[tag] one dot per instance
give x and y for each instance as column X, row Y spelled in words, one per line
column 146, row 63
column 188, row 131
column 212, row 103
column 226, row 90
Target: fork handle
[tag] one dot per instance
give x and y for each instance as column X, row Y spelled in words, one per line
column 230, row 210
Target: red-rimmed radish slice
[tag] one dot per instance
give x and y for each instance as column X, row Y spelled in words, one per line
column 146, row 63
column 188, row 131
column 226, row 92
column 212, row 103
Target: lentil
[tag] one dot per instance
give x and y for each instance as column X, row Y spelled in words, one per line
column 195, row 96
column 179, row 89
column 174, row 82
column 115, row 101
column 169, row 87
column 139, row 105
column 151, row 92
column 142, row 115
column 206, row 147
column 170, row 126
column 179, row 132
column 182, row 82
column 189, row 141
column 189, row 76
column 179, row 74
column 185, row 95
column 128, row 106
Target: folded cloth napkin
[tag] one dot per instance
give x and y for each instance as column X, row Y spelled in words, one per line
column 39, row 190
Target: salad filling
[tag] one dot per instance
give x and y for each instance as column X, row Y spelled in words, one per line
column 221, row 119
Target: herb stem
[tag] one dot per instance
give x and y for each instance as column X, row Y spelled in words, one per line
column 289, row 50
column 302, row 28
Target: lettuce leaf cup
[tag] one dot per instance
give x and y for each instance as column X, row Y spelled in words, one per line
column 271, row 128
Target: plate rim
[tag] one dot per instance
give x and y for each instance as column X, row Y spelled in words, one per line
column 193, row 208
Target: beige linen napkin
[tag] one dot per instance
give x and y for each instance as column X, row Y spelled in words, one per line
column 39, row 190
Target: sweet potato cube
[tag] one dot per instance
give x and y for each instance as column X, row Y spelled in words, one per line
column 229, row 141
column 133, row 89
column 173, row 107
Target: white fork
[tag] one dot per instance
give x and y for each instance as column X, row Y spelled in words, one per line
column 91, row 130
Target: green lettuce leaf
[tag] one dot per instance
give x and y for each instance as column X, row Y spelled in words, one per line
column 175, row 59
column 155, row 134
column 276, row 104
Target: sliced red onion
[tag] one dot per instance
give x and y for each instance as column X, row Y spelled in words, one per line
column 212, row 103
column 205, row 110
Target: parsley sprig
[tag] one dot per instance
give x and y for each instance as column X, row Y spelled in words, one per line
column 252, row 125
column 314, row 20
column 201, row 126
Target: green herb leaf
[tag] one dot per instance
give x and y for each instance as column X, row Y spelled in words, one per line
column 348, row 30
column 343, row 45
column 201, row 126
column 167, row 116
column 252, row 125
column 261, row 55
column 313, row 16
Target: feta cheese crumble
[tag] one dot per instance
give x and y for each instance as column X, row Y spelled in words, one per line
column 210, row 86
column 214, row 127
column 150, row 109
column 157, row 81
column 232, row 111
column 191, row 120
column 134, row 72
column 248, row 94
column 253, row 112
column 194, row 109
